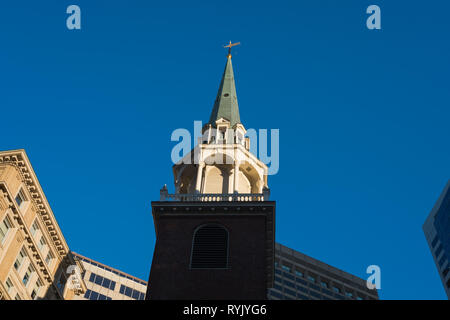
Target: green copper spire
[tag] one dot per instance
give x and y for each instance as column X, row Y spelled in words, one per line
column 226, row 104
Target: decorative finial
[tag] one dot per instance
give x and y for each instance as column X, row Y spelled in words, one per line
column 229, row 47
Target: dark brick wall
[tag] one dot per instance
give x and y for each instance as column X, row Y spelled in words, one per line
column 246, row 276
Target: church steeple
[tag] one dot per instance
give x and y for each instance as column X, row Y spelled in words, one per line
column 226, row 104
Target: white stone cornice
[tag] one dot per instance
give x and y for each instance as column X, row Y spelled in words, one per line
column 20, row 161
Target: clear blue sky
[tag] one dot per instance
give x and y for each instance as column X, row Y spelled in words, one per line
column 363, row 118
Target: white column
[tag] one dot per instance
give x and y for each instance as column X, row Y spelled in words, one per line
column 236, row 176
column 198, row 182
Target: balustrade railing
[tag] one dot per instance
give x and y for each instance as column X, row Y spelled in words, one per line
column 214, row 196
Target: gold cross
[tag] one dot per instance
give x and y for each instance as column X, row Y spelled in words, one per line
column 231, row 45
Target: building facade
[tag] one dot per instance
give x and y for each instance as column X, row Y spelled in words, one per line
column 35, row 260
column 215, row 235
column 300, row 277
column 106, row 283
column 437, row 233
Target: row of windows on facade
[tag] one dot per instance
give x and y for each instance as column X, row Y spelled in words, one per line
column 6, row 226
column 111, row 270
column 437, row 252
column 305, row 292
column 27, row 276
column 102, row 281
column 111, row 285
column 92, row 295
column 313, row 280
column 35, row 229
column 132, row 293
column 297, row 295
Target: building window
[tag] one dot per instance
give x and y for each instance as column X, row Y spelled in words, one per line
column 210, row 247
column 132, row 293
column 435, row 240
column 42, row 243
column 28, row 274
column 34, row 228
column 349, row 294
column 316, row 295
column 92, row 295
column 336, row 289
column 299, row 273
column 61, row 283
column 285, row 268
column 49, row 258
column 442, row 260
column 324, row 284
column 19, row 260
column 9, row 285
column 36, row 289
column 311, row 278
column 446, row 271
column 101, row 281
column 4, row 228
column 20, row 197
column 438, row 250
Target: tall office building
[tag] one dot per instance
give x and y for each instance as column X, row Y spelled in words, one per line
column 106, row 283
column 437, row 233
column 215, row 235
column 35, row 260
column 300, row 277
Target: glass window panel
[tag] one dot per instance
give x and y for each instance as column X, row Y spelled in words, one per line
column 98, row 280
column 315, row 295
column 26, row 277
column 285, row 268
column 106, row 283
column 302, row 289
column 128, row 291
column 94, row 296
column 303, row 297
column 288, row 275
column 291, row 292
column 298, row 273
column 290, row 284
column 435, row 240
column 438, row 250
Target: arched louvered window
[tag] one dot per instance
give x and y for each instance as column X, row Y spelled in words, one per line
column 210, row 247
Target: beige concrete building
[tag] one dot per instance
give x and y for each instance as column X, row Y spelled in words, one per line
column 106, row 283
column 35, row 260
